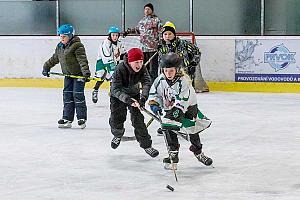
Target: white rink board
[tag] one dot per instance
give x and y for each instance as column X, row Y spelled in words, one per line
column 24, row 56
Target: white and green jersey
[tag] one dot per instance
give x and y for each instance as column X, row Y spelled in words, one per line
column 109, row 52
column 108, row 57
column 180, row 94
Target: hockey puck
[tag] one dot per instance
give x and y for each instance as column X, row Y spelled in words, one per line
column 170, row 187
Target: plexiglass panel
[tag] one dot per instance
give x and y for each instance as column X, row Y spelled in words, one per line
column 27, row 18
column 91, row 17
column 227, row 17
column 282, row 17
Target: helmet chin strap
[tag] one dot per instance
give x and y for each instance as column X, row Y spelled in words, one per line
column 171, row 82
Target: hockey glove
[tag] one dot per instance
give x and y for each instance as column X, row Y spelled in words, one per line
column 194, row 63
column 87, row 76
column 45, row 73
column 126, row 32
column 175, row 114
column 191, row 70
column 142, row 101
column 155, row 108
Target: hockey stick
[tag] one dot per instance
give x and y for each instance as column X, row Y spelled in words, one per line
column 74, row 76
column 148, row 61
column 128, row 138
column 153, row 116
column 167, row 135
column 132, row 138
column 150, row 122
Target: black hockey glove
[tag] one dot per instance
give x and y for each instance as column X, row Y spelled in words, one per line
column 194, row 63
column 45, row 73
column 142, row 101
column 126, row 32
column 175, row 114
column 191, row 70
column 87, row 76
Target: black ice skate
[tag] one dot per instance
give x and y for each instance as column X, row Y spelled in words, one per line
column 204, row 159
column 160, row 132
column 81, row 123
column 171, row 161
column 95, row 96
column 152, row 152
column 115, row 142
column 63, row 123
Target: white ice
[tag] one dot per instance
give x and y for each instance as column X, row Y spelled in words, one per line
column 254, row 141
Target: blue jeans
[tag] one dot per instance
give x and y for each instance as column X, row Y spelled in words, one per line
column 74, row 99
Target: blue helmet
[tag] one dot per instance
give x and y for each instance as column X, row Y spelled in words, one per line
column 113, row 29
column 65, row 29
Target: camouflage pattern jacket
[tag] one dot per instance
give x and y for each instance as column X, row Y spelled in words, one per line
column 149, row 29
column 186, row 50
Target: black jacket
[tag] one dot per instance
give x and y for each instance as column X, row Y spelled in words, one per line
column 125, row 83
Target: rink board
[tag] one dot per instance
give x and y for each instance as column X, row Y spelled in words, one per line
column 213, row 86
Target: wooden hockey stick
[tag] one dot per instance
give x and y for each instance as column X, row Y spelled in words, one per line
column 148, row 61
column 132, row 138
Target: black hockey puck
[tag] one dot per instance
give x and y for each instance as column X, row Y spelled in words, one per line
column 170, row 187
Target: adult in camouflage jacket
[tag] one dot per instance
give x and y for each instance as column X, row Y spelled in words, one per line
column 149, row 28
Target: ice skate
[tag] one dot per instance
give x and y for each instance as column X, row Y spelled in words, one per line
column 63, row 123
column 204, row 159
column 152, row 152
column 81, row 123
column 160, row 132
column 95, row 96
column 115, row 142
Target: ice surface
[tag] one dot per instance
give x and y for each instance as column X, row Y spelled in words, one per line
column 254, row 141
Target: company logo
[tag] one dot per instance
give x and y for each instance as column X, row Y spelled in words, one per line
column 279, row 57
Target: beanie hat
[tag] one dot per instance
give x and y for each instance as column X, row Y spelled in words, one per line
column 135, row 54
column 169, row 26
column 149, row 5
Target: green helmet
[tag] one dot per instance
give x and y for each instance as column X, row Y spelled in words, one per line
column 170, row 60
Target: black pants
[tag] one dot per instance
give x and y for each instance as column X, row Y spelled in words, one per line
column 118, row 110
column 153, row 64
column 98, row 84
column 172, row 138
column 74, row 99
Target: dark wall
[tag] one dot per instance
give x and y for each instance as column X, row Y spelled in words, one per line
column 204, row 17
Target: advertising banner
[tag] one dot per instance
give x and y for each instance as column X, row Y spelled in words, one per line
column 267, row 61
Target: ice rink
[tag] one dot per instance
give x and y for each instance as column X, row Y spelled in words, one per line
column 254, row 141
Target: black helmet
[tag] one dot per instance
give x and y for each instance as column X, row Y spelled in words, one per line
column 170, row 60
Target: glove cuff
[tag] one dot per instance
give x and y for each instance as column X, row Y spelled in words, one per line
column 152, row 102
column 129, row 100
